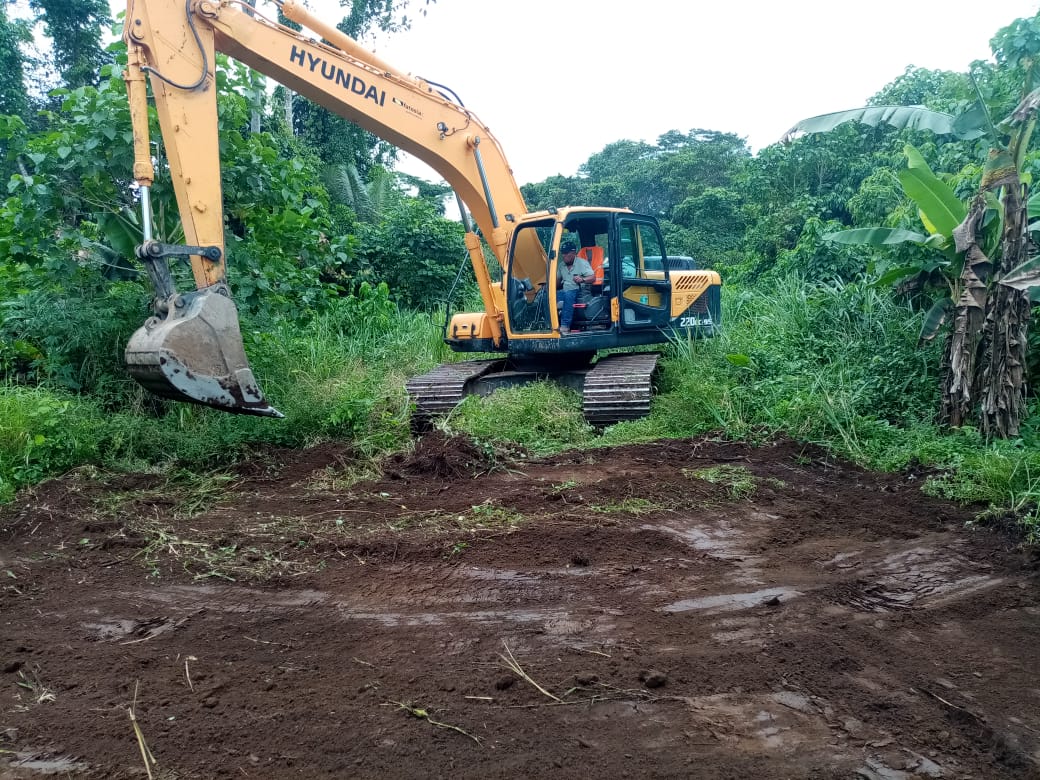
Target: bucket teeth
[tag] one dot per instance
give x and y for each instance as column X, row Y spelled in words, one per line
column 195, row 354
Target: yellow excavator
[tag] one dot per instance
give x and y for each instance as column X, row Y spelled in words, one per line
column 191, row 349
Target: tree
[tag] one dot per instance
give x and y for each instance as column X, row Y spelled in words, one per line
column 13, row 33
column 985, row 357
column 940, row 90
column 412, row 249
column 368, row 200
column 74, row 26
column 709, row 226
column 689, row 180
column 335, row 139
column 789, row 190
column 559, row 191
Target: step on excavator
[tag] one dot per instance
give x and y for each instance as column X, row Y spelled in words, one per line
column 191, row 349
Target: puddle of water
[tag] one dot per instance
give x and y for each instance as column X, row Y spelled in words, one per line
column 843, row 560
column 721, row 542
column 732, row 601
column 411, row 609
column 553, row 621
column 717, row 540
column 500, row 575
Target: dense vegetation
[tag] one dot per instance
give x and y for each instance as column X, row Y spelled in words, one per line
column 342, row 269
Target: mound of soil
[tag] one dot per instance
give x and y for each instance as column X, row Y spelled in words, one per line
column 438, row 455
column 678, row 609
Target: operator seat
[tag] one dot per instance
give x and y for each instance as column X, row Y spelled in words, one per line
column 595, row 313
column 594, row 256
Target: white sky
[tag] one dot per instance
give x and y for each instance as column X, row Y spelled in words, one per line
column 557, row 80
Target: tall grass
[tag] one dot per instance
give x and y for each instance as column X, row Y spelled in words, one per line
column 833, row 365
column 42, row 433
column 339, row 376
column 541, row 418
column 839, row 366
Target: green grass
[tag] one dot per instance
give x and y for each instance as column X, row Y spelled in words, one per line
column 43, row 433
column 541, row 418
column 836, row 366
column 333, row 378
column 737, row 480
column 1003, row 476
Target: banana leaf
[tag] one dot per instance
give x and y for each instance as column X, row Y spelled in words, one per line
column 876, row 236
column 893, row 275
column 899, row 117
column 1024, row 277
column 976, row 118
column 935, row 318
column 1033, row 205
column 941, row 210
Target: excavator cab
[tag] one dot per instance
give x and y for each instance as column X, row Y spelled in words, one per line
column 629, row 295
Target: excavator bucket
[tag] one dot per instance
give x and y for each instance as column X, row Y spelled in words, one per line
column 195, row 354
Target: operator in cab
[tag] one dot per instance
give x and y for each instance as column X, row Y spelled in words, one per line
column 572, row 272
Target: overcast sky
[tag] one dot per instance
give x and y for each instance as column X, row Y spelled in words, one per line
column 557, row 80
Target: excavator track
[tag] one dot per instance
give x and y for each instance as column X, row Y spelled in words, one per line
column 439, row 391
column 619, row 387
column 616, row 388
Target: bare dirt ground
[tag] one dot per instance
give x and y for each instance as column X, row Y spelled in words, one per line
column 682, row 609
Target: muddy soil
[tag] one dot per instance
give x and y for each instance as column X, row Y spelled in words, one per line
column 680, row 609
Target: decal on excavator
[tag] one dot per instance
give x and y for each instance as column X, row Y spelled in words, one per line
column 693, row 322
column 410, row 109
column 337, row 75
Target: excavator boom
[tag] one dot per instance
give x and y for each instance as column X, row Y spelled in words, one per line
column 191, row 350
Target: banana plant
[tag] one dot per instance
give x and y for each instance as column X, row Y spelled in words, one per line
column 940, row 213
column 988, row 270
column 966, row 127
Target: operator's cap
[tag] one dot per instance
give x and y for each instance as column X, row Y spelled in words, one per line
column 566, row 247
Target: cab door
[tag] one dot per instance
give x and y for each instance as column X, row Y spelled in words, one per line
column 644, row 292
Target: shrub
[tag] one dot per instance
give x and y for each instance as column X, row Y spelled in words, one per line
column 43, row 434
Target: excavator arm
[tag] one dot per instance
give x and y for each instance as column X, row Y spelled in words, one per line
column 192, row 348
